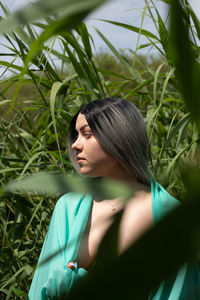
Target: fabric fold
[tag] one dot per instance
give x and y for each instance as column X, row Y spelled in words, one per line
column 53, row 279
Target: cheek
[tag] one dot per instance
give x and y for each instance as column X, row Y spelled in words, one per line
column 100, row 161
column 96, row 152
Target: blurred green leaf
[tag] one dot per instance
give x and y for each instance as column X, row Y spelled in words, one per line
column 43, row 8
column 52, row 183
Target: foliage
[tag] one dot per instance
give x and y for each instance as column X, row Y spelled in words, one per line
column 33, row 130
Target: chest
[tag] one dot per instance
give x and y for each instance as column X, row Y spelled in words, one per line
column 136, row 218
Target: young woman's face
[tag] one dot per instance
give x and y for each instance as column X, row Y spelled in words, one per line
column 93, row 160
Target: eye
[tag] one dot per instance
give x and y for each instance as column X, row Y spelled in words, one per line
column 87, row 134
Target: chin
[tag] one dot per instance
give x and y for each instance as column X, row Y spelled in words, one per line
column 88, row 173
column 85, row 172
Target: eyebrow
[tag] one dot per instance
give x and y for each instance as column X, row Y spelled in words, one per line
column 83, row 127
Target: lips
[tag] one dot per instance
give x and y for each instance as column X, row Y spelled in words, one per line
column 80, row 159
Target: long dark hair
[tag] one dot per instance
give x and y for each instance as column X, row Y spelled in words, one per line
column 119, row 127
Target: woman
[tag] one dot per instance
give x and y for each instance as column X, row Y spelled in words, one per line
column 107, row 138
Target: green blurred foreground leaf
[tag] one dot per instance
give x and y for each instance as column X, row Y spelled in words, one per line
column 45, row 8
column 55, row 183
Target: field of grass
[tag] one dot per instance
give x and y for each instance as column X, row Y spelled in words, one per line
column 38, row 102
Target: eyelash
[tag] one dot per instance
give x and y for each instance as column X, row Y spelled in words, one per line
column 87, row 135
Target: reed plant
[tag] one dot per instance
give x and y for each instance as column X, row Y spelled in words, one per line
column 33, row 130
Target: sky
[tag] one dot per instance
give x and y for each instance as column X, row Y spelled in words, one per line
column 125, row 11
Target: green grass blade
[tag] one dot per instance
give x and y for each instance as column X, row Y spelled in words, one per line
column 127, row 65
column 140, row 86
column 35, row 156
column 183, row 127
column 77, row 66
column 55, row 88
column 144, row 32
column 194, row 19
column 173, row 162
column 57, row 26
column 86, row 69
column 82, row 30
column 12, row 278
column 154, row 114
column 155, row 83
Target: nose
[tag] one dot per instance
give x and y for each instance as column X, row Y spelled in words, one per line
column 77, row 145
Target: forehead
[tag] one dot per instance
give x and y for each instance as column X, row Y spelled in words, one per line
column 81, row 121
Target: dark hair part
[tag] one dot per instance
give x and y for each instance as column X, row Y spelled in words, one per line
column 119, row 127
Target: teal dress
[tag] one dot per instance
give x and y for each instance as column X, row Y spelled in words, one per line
column 53, row 279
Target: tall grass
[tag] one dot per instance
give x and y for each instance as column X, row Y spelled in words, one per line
column 33, row 131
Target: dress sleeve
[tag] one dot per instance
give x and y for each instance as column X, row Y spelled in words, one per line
column 162, row 202
column 53, row 279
